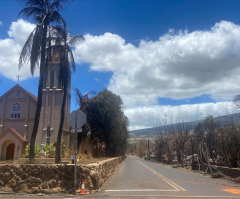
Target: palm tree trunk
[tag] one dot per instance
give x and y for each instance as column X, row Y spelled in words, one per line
column 58, row 147
column 39, row 102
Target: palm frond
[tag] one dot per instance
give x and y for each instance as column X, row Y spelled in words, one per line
column 78, row 96
column 75, row 39
column 36, row 48
column 26, row 50
column 54, row 16
column 60, row 33
column 38, row 3
column 50, row 39
column 30, row 11
column 64, row 72
column 92, row 92
column 58, row 4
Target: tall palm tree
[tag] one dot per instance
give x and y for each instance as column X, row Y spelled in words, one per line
column 66, row 64
column 44, row 12
column 79, row 97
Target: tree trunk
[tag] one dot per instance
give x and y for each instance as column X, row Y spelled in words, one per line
column 179, row 156
column 169, row 154
column 58, row 147
column 39, row 102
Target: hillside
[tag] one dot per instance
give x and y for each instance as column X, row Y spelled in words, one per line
column 151, row 132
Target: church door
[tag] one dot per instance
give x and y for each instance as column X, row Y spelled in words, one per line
column 10, row 151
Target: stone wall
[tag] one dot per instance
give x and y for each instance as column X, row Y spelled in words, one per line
column 55, row 178
column 231, row 172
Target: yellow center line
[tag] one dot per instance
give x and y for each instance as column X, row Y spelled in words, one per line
column 174, row 185
column 159, row 175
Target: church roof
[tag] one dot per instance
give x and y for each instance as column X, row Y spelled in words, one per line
column 33, row 96
column 15, row 132
column 19, row 87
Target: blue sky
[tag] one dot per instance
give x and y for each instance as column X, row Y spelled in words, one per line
column 161, row 57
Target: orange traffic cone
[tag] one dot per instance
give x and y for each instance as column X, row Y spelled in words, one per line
column 83, row 189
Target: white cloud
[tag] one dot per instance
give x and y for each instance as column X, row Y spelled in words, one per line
column 96, row 79
column 179, row 65
column 151, row 116
column 20, row 30
column 1, row 23
column 10, row 49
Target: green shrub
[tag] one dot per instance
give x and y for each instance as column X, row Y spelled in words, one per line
column 50, row 150
column 83, row 156
column 37, row 150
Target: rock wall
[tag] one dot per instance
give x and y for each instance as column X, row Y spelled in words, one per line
column 55, row 178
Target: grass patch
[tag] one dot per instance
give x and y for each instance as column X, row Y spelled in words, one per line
column 79, row 162
column 9, row 162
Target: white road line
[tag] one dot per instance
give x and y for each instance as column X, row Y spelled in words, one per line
column 139, row 190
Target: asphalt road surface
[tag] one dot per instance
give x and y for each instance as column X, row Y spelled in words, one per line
column 141, row 179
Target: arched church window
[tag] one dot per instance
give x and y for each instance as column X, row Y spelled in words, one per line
column 15, row 111
column 17, row 94
column 48, row 134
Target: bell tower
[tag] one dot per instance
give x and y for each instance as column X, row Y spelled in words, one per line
column 52, row 98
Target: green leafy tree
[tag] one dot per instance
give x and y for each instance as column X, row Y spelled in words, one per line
column 107, row 122
column 44, row 12
column 66, row 64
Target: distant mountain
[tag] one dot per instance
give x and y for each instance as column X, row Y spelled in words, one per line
column 151, row 132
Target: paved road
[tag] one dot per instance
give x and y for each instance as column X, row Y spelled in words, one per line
column 139, row 178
